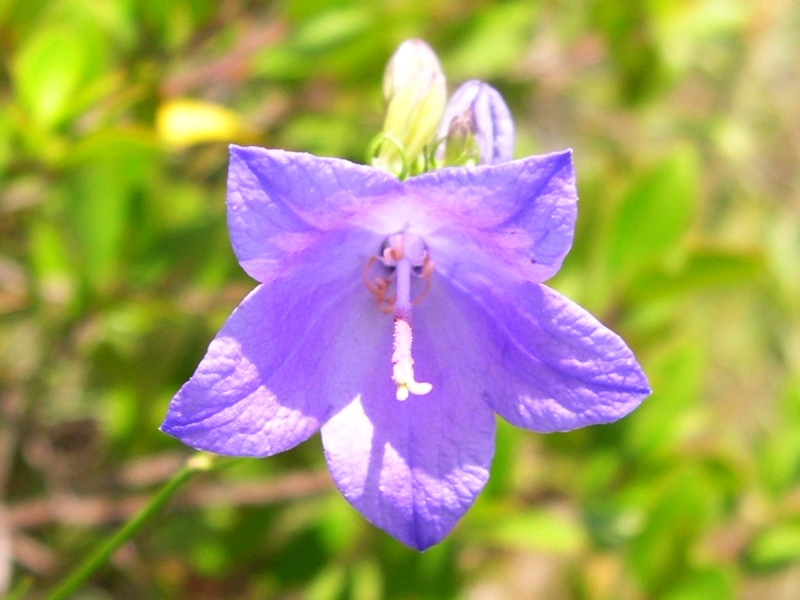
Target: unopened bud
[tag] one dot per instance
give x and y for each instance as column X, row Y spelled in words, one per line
column 459, row 147
column 479, row 110
column 415, row 92
column 412, row 58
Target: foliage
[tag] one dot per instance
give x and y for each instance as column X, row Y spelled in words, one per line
column 115, row 272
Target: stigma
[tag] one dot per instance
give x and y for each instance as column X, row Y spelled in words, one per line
column 405, row 255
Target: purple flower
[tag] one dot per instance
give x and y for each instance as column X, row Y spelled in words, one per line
column 345, row 255
column 477, row 111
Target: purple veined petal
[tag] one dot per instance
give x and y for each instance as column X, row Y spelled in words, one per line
column 285, row 354
column 556, row 366
column 514, row 221
column 489, row 120
column 281, row 203
column 414, row 467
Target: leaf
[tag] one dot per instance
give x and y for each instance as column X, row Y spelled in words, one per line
column 330, row 28
column 662, row 421
column 775, row 547
column 710, row 584
column 778, row 459
column 505, row 462
column 52, row 69
column 367, row 583
column 506, row 29
column 661, row 551
column 535, row 529
column 703, row 269
column 684, row 30
column 5, row 142
column 328, row 585
column 654, row 215
column 107, row 171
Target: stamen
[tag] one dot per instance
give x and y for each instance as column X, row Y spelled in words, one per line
column 427, row 272
column 378, row 288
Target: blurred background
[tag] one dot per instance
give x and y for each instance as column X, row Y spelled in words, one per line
column 116, row 272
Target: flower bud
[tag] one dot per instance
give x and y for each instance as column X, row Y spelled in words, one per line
column 476, row 127
column 458, row 146
column 411, row 58
column 415, row 92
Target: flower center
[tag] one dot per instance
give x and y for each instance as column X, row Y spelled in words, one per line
column 404, row 255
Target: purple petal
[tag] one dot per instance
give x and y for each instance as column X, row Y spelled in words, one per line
column 414, row 467
column 268, row 379
column 281, row 203
column 514, row 220
column 557, row 367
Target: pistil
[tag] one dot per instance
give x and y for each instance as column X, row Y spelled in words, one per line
column 406, row 254
column 403, row 363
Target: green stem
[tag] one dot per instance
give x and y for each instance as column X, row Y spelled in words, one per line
column 21, row 590
column 197, row 463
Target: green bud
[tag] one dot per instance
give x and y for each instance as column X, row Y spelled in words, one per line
column 415, row 93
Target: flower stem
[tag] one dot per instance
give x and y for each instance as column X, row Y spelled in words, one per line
column 199, row 462
column 21, row 590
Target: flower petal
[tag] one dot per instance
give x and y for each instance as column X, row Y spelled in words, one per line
column 414, row 467
column 556, row 367
column 280, row 203
column 267, row 379
column 515, row 219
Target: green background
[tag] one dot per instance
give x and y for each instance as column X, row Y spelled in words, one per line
column 116, row 271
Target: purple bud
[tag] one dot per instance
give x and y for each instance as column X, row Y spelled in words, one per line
column 479, row 108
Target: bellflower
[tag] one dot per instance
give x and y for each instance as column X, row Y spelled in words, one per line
column 345, row 254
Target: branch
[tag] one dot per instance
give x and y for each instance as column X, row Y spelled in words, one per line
column 90, row 511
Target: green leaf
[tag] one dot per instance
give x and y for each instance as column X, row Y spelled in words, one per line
column 330, row 28
column 536, row 529
column 328, row 585
column 790, row 399
column 507, row 29
column 703, row 269
column 367, row 583
column 685, row 30
column 627, row 29
column 654, row 215
column 52, row 69
column 108, row 170
column 505, row 460
column 775, row 547
column 209, row 557
column 711, row 584
column 779, row 458
column 657, row 427
column 687, row 501
column 5, row 141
